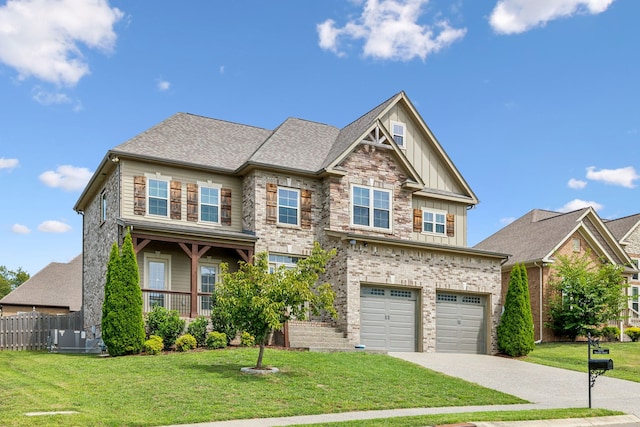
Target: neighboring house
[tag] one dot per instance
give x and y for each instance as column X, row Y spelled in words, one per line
column 627, row 231
column 56, row 289
column 538, row 238
column 196, row 192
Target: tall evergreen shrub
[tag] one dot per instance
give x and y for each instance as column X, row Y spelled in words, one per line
column 122, row 321
column 515, row 331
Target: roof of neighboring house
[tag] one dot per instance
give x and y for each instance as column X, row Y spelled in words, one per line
column 56, row 285
column 539, row 233
column 622, row 227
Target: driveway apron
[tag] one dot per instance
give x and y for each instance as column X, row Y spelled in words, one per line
column 545, row 386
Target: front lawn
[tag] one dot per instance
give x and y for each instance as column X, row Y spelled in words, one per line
column 625, row 356
column 207, row 386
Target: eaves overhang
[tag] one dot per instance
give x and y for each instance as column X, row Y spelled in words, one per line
column 460, row 250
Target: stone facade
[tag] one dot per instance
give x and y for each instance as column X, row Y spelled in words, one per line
column 98, row 237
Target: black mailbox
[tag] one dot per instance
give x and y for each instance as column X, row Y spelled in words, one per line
column 600, row 364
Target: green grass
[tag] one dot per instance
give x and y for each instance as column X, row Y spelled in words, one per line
column 625, row 356
column 208, row 385
column 464, row 417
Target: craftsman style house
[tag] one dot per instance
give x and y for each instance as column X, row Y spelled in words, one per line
column 196, row 192
column 539, row 237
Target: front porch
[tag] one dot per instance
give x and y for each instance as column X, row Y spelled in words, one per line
column 179, row 272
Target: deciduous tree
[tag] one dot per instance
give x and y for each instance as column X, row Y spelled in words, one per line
column 259, row 301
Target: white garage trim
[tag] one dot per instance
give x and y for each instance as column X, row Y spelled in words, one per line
column 388, row 318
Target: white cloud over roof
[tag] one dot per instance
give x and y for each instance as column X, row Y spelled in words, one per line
column 576, row 204
column 42, row 38
column 8, row 163
column 518, row 16
column 67, row 177
column 20, row 229
column 390, row 31
column 576, row 184
column 624, row 177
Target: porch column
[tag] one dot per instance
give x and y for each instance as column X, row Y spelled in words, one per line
column 195, row 256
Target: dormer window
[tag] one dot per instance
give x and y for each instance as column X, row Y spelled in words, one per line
column 398, row 132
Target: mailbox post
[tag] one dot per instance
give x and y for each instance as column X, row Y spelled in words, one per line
column 596, row 367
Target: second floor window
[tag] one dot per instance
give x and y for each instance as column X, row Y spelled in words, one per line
column 635, row 264
column 288, row 206
column 209, row 204
column 158, row 197
column 371, row 207
column 398, row 130
column 434, row 222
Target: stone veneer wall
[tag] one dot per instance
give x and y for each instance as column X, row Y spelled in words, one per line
column 97, row 239
column 426, row 270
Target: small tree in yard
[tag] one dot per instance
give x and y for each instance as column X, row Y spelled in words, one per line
column 259, row 301
column 515, row 331
column 122, row 321
column 586, row 295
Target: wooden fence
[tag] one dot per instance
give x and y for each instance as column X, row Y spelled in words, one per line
column 31, row 331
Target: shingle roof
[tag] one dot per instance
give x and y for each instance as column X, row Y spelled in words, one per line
column 197, row 140
column 532, row 236
column 621, row 226
column 56, row 285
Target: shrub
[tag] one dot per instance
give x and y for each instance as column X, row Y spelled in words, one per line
column 221, row 321
column 611, row 333
column 186, row 342
column 198, row 328
column 247, row 340
column 515, row 330
column 166, row 324
column 153, row 345
column 216, row 340
column 633, row 333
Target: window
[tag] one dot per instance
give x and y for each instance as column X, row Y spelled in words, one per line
column 158, row 197
column 288, row 206
column 276, row 261
column 575, row 244
column 208, row 278
column 157, row 280
column 103, row 206
column 635, row 264
column 434, row 222
column 210, row 204
column 634, row 298
column 371, row 207
column 397, row 131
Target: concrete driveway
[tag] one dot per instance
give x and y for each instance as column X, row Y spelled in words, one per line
column 545, row 386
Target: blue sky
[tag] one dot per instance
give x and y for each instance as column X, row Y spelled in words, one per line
column 536, row 102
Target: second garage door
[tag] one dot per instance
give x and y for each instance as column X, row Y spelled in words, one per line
column 460, row 323
column 388, row 318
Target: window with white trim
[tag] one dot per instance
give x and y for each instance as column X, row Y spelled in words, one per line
column 434, row 221
column 398, row 130
column 288, row 206
column 371, row 207
column 156, row 274
column 634, row 298
column 278, row 260
column 207, row 284
column 635, row 262
column 103, row 206
column 209, row 203
column 158, row 197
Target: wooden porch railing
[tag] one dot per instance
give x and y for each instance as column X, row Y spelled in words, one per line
column 176, row 300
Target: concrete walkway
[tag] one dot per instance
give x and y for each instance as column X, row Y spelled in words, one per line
column 543, row 386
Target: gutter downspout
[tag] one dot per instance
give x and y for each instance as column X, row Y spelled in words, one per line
column 540, row 267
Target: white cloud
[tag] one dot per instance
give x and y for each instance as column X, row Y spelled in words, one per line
column 576, row 204
column 41, row 38
column 163, row 85
column 45, row 97
column 221, row 69
column 390, row 30
column 507, row 220
column 576, row 184
column 8, row 163
column 20, row 229
column 67, row 177
column 623, row 177
column 52, row 226
column 518, row 16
